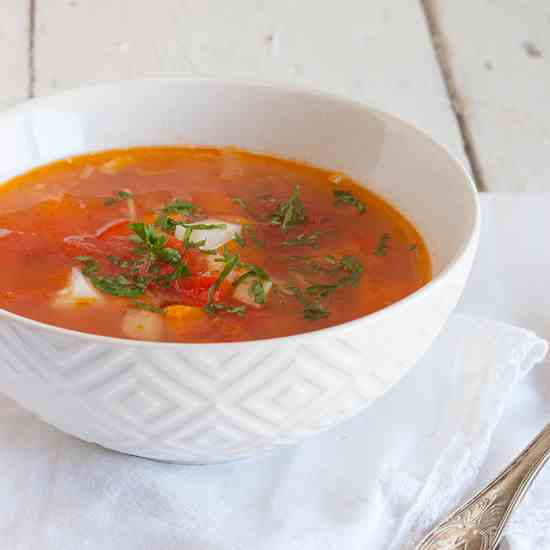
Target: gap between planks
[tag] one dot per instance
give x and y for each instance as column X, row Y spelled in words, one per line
column 429, row 8
column 31, row 60
column 443, row 58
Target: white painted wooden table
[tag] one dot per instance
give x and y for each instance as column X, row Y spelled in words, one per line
column 473, row 73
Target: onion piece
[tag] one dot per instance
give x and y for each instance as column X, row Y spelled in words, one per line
column 214, row 238
column 243, row 294
column 142, row 325
column 79, row 291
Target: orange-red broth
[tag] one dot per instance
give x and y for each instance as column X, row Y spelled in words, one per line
column 55, row 214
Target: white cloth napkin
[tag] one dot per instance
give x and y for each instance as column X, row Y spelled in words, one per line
column 377, row 482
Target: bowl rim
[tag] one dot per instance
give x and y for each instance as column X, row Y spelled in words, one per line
column 470, row 242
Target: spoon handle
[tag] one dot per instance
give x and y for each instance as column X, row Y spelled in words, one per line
column 478, row 524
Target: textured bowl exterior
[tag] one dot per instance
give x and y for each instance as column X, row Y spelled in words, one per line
column 212, row 403
column 206, row 403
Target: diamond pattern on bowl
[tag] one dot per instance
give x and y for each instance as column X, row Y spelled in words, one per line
column 208, row 403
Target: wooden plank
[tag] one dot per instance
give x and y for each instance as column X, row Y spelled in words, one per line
column 378, row 51
column 14, row 51
column 499, row 58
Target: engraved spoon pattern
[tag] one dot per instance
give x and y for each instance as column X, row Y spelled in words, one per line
column 479, row 524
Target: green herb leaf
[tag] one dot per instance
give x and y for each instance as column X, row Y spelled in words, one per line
column 169, row 255
column 353, row 266
column 310, row 265
column 166, row 223
column 214, row 308
column 117, row 286
column 382, row 247
column 119, row 196
column 312, row 310
column 152, row 240
column 180, row 270
column 312, row 240
column 412, row 247
column 257, row 292
column 349, row 265
column 342, row 197
column 120, row 262
column 231, row 261
column 290, row 212
column 253, row 271
column 90, row 265
column 240, row 240
column 178, row 206
column 138, row 304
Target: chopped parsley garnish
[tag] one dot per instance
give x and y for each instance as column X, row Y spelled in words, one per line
column 353, row 269
column 154, row 246
column 342, row 197
column 117, row 285
column 257, row 292
column 206, row 226
column 312, row 240
column 119, row 197
column 382, row 247
column 168, row 225
column 290, row 212
column 412, row 247
column 253, row 271
column 214, row 308
column 239, row 239
column 180, row 270
column 250, row 233
column 177, row 206
column 145, row 306
column 231, row 261
column 152, row 253
column 314, row 264
column 256, row 289
column 181, row 207
column 169, row 255
column 90, row 265
column 188, row 243
column 313, row 310
column 146, row 236
column 120, row 262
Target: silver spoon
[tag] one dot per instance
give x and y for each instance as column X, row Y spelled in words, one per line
column 478, row 524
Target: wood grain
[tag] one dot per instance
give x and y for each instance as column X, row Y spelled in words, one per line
column 498, row 54
column 14, row 50
column 378, row 51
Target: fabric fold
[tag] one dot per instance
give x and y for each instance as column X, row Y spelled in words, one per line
column 378, row 482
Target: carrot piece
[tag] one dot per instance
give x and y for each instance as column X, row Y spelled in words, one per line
column 181, row 313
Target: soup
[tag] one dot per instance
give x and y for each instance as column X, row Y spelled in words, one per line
column 186, row 244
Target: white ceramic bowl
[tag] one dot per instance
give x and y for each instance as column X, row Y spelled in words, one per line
column 204, row 403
